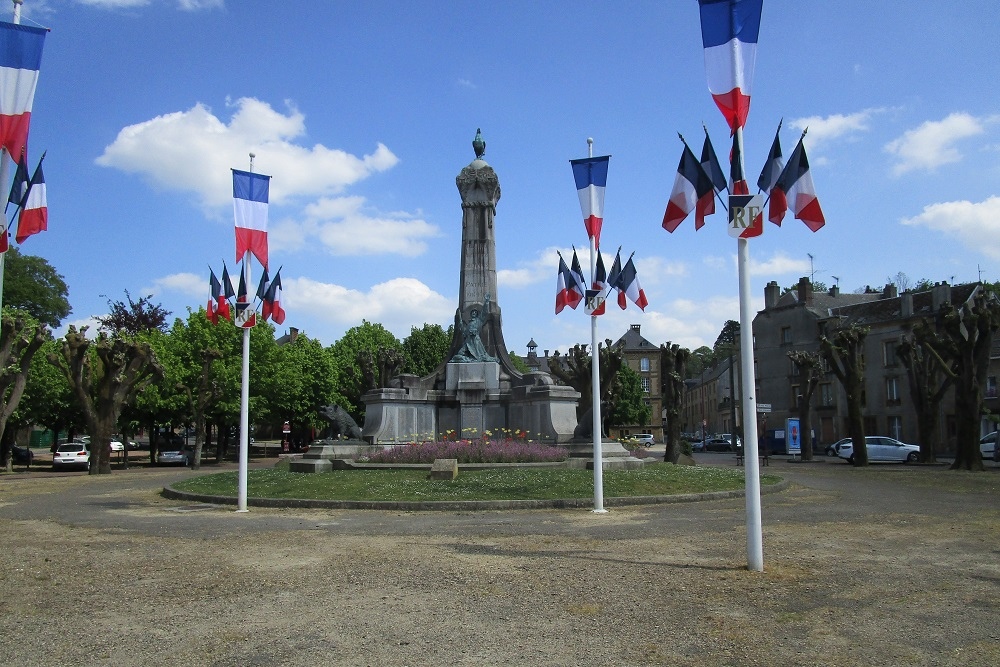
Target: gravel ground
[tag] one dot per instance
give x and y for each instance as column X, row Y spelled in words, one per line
column 896, row 565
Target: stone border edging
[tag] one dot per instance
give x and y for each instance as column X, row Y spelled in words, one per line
column 459, row 505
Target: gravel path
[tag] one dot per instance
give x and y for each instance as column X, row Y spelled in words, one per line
column 894, row 565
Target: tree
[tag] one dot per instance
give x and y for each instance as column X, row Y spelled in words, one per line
column 844, row 352
column 700, row 359
column 810, row 366
column 350, row 381
column 628, row 404
column 31, row 284
column 134, row 317
column 967, row 332
column 426, row 348
column 20, row 338
column 104, row 374
column 927, row 381
column 48, row 400
column 305, row 381
column 578, row 373
column 673, row 362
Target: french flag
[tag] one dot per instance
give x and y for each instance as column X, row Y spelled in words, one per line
column 692, row 186
column 729, row 30
column 250, row 192
column 20, row 60
column 768, row 181
column 591, row 176
column 797, row 184
column 629, row 283
column 34, row 216
column 271, row 307
column 568, row 291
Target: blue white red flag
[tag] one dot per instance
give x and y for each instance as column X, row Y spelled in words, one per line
column 729, row 30
column 797, row 184
column 768, row 181
column 246, row 316
column 34, row 216
column 214, row 298
column 591, row 176
column 737, row 179
column 691, row 185
column 710, row 163
column 20, row 60
column 271, row 307
column 600, row 283
column 19, row 187
column 250, row 193
column 227, row 283
column 629, row 284
column 614, row 277
column 569, row 292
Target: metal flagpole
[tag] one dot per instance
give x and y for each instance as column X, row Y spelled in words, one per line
column 755, row 547
column 245, row 391
column 5, row 160
column 595, row 368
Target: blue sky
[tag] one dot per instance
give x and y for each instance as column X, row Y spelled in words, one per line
column 364, row 113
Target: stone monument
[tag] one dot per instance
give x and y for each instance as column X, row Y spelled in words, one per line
column 476, row 388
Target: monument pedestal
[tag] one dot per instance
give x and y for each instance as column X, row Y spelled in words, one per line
column 613, row 455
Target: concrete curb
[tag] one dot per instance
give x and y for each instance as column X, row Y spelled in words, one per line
column 466, row 505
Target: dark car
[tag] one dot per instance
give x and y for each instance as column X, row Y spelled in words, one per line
column 22, row 455
column 718, row 445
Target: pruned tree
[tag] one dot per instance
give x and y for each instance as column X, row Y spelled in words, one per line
column 673, row 370
column 810, row 366
column 844, row 352
column 967, row 333
column 104, row 374
column 20, row 338
column 927, row 381
column 577, row 372
column 199, row 398
column 134, row 317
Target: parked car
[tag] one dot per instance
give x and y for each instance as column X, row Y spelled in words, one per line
column 117, row 446
column 696, row 445
column 986, row 445
column 831, row 450
column 644, row 439
column 880, row 448
column 71, row 454
column 176, row 455
column 22, row 455
column 718, row 444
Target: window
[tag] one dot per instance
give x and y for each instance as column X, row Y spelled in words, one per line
column 896, row 427
column 644, row 364
column 889, row 352
column 645, row 385
column 786, row 335
column 891, row 391
column 991, row 386
column 794, row 402
column 826, row 394
column 794, row 367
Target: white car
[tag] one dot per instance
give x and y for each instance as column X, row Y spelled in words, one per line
column 71, row 454
column 986, row 445
column 117, row 446
column 880, row 448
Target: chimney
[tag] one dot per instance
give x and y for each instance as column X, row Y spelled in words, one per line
column 771, row 294
column 635, row 327
column 835, row 291
column 293, row 333
column 940, row 295
column 805, row 291
column 889, row 292
column 906, row 304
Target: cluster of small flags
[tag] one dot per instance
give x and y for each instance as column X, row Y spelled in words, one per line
column 571, row 286
column 29, row 198
column 250, row 200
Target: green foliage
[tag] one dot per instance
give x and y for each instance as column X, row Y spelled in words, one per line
column 31, row 284
column 350, row 382
column 518, row 362
column 700, row 360
column 425, row 348
column 628, row 404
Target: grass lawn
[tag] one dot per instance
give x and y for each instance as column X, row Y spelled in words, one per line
column 491, row 484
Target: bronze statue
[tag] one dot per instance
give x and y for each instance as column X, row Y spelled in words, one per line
column 472, row 348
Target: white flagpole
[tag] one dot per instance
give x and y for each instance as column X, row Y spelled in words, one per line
column 755, row 546
column 245, row 391
column 5, row 160
column 595, row 368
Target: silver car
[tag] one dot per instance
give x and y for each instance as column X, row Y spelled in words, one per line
column 71, row 454
column 880, row 448
column 986, row 445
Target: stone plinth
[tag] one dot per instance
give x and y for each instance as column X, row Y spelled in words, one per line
column 444, row 469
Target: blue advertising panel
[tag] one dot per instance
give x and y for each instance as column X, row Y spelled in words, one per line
column 793, row 436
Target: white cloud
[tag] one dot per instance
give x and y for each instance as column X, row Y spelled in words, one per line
column 779, row 264
column 932, row 144
column 183, row 283
column 398, row 304
column 194, row 150
column 533, row 271
column 976, row 225
column 91, row 323
column 827, row 128
column 345, row 227
column 186, row 5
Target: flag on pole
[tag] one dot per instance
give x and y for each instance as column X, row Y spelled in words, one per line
column 246, row 316
column 737, row 179
column 262, row 286
column 729, row 30
column 600, row 283
column 580, row 282
column 591, row 176
column 629, row 282
column 797, row 185
column 691, row 185
column 19, row 188
column 20, row 60
column 710, row 163
column 214, row 298
column 614, row 277
column 272, row 301
column 227, row 283
column 34, row 216
column 250, row 192
column 768, row 181
column 568, row 291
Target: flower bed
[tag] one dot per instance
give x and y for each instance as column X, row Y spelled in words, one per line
column 471, row 451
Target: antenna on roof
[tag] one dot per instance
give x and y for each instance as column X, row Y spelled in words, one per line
column 837, row 278
column 812, row 273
